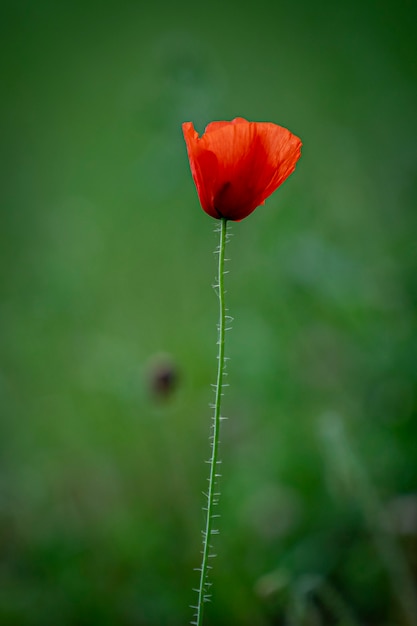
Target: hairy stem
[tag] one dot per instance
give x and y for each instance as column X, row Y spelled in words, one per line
column 212, row 493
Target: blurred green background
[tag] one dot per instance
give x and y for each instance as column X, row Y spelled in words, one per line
column 108, row 318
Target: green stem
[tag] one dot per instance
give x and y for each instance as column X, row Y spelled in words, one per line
column 212, row 493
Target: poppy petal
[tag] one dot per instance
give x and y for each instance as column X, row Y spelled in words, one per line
column 203, row 165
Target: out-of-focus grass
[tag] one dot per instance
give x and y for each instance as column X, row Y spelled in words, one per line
column 106, row 262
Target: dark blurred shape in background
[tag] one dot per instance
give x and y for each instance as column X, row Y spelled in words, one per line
column 163, row 376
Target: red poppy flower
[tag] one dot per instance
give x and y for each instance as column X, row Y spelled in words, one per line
column 236, row 165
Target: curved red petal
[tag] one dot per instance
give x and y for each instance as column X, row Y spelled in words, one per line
column 203, row 165
column 282, row 149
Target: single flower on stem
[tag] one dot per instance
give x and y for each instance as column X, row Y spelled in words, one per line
column 235, row 166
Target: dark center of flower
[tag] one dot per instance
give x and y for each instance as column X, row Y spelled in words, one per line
column 219, row 199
